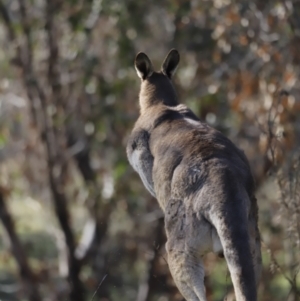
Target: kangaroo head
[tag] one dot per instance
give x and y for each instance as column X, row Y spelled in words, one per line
column 156, row 86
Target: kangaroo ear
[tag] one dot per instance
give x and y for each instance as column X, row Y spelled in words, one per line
column 143, row 65
column 170, row 63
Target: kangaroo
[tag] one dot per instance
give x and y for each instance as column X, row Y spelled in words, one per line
column 202, row 182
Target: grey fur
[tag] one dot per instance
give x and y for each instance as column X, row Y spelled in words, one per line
column 203, row 184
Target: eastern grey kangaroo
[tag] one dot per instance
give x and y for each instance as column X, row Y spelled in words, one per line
column 202, row 182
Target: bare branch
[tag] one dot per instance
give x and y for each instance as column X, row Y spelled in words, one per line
column 54, row 158
column 27, row 275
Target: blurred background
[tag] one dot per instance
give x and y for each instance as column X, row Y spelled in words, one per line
column 77, row 223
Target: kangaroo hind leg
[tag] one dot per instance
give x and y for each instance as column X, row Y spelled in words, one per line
column 188, row 274
column 184, row 258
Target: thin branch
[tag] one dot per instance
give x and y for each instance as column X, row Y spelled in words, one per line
column 278, row 267
column 98, row 287
column 19, row 60
column 53, row 155
column 28, row 277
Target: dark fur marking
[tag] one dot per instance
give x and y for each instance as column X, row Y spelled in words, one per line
column 167, row 116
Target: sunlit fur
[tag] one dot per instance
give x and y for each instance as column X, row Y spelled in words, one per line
column 156, row 89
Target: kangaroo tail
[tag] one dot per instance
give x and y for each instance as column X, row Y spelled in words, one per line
column 231, row 222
